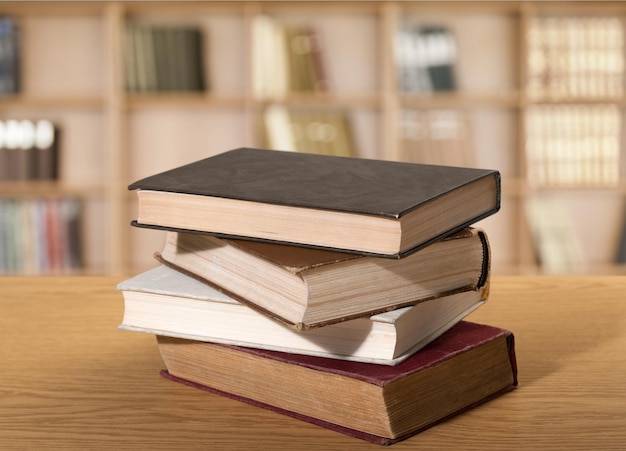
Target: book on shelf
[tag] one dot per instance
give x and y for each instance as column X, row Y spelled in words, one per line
column 164, row 58
column 573, row 145
column 9, row 56
column 29, row 150
column 575, row 56
column 558, row 246
column 303, row 55
column 426, row 58
column 307, row 288
column 368, row 206
column 466, row 366
column 40, row 236
column 326, row 132
column 163, row 301
column 436, row 137
column 287, row 58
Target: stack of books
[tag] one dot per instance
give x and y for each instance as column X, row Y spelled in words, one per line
column 329, row 289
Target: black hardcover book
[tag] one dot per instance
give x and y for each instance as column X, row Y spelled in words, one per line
column 367, row 206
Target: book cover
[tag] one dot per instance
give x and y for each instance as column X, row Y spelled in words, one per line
column 163, row 301
column 370, row 206
column 465, row 367
column 320, row 287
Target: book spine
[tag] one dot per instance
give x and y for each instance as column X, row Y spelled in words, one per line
column 576, row 57
column 573, row 145
column 195, row 46
column 40, row 236
column 164, row 58
column 9, row 56
column 29, row 150
column 131, row 54
column 426, row 58
column 436, row 137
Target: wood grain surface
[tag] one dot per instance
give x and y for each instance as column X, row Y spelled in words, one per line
column 70, row 380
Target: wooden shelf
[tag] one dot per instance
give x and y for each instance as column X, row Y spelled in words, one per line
column 183, row 100
column 50, row 189
column 11, row 103
column 114, row 137
column 563, row 100
column 327, row 100
column 462, row 100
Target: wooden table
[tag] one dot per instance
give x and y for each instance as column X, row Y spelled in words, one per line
column 70, row 379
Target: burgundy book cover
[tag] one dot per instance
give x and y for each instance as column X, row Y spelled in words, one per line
column 460, row 338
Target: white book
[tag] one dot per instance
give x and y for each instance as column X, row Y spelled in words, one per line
column 163, row 301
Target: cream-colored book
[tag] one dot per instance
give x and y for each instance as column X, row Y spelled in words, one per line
column 165, row 302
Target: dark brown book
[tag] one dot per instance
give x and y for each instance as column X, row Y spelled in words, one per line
column 467, row 366
column 367, row 206
column 307, row 288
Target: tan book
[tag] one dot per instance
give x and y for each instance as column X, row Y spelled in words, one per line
column 308, row 288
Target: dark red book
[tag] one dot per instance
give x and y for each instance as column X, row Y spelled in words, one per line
column 467, row 366
column 367, row 206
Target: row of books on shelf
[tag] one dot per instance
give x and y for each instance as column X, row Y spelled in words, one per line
column 320, row 131
column 567, row 56
column 9, row 56
column 40, row 236
column 426, row 58
column 440, row 136
column 281, row 262
column 573, row 145
column 164, row 58
column 29, row 150
column 558, row 246
column 287, row 58
column 576, row 56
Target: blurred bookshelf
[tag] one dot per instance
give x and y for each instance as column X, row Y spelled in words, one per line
column 533, row 89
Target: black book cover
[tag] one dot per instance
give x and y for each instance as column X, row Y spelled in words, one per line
column 355, row 185
column 364, row 187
